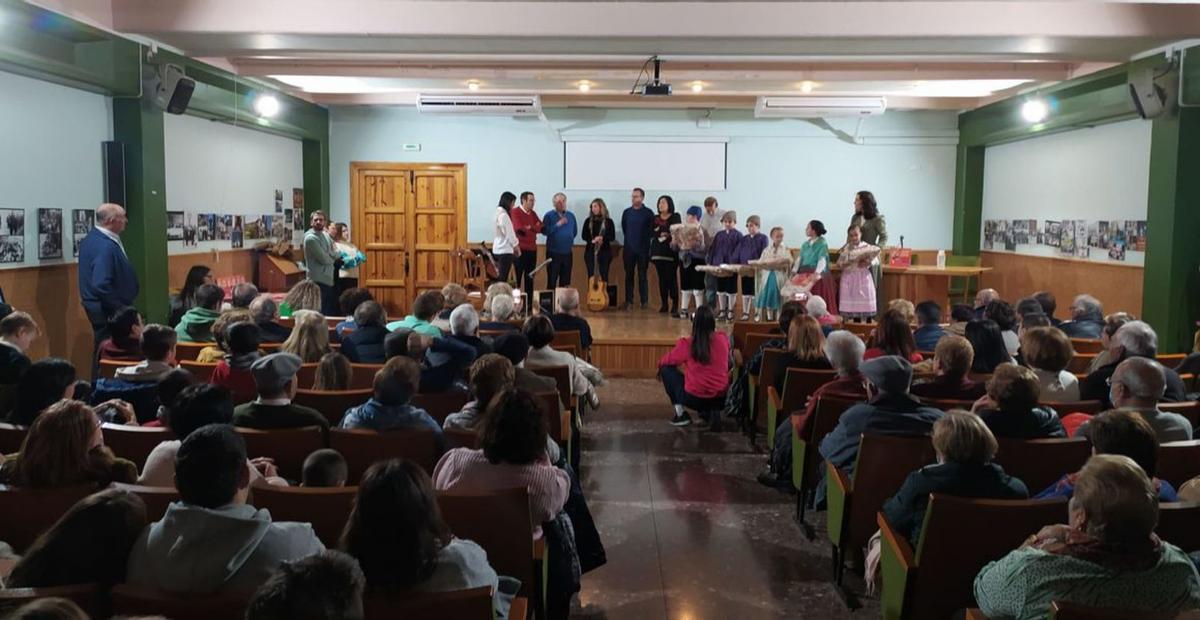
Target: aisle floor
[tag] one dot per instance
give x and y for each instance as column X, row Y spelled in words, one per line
column 690, row 534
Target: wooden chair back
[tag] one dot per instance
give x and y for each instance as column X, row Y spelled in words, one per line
column 306, row 376
column 26, row 513
column 332, row 403
column 862, row 330
column 506, row 534
column 884, row 461
column 1087, row 346
column 134, row 442
column 558, row 427
column 1090, row 407
column 754, row 342
column 1039, row 463
column 829, row 411
column 362, row 448
column 11, row 437
column 362, row 376
column 1178, row 461
column 1170, row 360
column 288, row 446
column 89, row 597
column 742, row 329
column 568, row 340
column 441, row 404
column 1080, row 362
column 108, row 368
column 771, row 360
column 946, row 405
column 201, row 370
column 562, row 378
column 799, row 384
column 1070, row 611
column 327, row 509
column 951, row 552
column 474, row 604
column 1177, row 524
column 1188, row 409
column 129, row 600
column 190, row 350
column 268, row 348
column 156, row 498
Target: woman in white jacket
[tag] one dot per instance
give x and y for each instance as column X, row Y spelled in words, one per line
column 504, row 245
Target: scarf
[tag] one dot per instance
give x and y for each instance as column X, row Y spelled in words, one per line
column 1116, row 556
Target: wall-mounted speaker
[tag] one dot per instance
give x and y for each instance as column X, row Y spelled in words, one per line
column 1149, row 98
column 114, row 172
column 174, row 89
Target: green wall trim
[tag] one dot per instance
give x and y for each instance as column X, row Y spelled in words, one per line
column 968, row 200
column 139, row 125
column 316, row 176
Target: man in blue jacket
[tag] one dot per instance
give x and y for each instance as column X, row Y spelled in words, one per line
column 560, row 230
column 636, row 226
column 107, row 281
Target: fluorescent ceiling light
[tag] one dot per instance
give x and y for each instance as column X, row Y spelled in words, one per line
column 957, row 88
column 329, row 84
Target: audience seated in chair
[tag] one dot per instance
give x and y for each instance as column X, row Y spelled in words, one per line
column 453, row 296
column 988, row 343
column 515, row 347
column 243, row 294
column 702, row 382
column 566, row 316
column 1133, row 339
column 197, row 276
column 1112, row 323
column 844, row 351
column 444, row 371
column 817, row 307
column 489, row 375
column 1137, row 385
column 1028, row 307
column 464, row 327
column 906, row 309
column 364, row 345
column 425, row 308
column 965, row 448
column 265, row 312
column 65, row 448
column 196, row 324
column 494, row 289
column 18, row 330
column 324, row 468
column 47, row 381
column 1049, row 304
column 952, row 359
column 274, row 377
column 893, row 336
column 501, row 311
column 219, row 349
column 1125, row 433
column 138, row 384
column 929, row 330
column 125, row 332
column 325, row 586
column 90, row 543
column 304, row 295
column 1107, row 556
column 737, row 398
column 805, row 349
column 982, row 299
column 211, row 540
column 397, row 534
column 1005, row 317
column 389, row 408
column 960, row 315
column 540, row 333
column 348, row 302
column 310, row 337
column 233, row 372
column 170, row 387
column 333, row 372
column 1087, row 318
column 1047, row 350
column 1010, row 407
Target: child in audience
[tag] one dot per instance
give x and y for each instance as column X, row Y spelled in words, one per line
column 169, row 388
column 750, row 248
column 857, row 295
column 960, row 315
column 220, row 329
column 772, row 271
column 389, row 408
column 125, row 331
column 724, row 251
column 328, row 585
column 196, row 324
column 137, row 384
column 333, row 372
column 689, row 239
column 46, row 382
column 305, row 295
column 324, row 468
column 233, row 372
column 310, row 337
column 17, row 333
column 65, row 448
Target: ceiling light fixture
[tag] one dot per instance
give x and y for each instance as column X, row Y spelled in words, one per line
column 697, row 87
column 266, row 106
column 806, row 86
column 472, row 85
column 1035, row 110
column 584, row 87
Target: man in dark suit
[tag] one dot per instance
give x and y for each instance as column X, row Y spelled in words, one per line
column 107, row 281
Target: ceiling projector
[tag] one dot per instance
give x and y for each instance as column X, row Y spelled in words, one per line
column 656, row 88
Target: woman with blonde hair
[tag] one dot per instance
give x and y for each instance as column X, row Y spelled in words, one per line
column 220, row 329
column 310, row 337
column 64, row 448
column 305, row 295
column 333, row 372
column 805, row 349
column 598, row 232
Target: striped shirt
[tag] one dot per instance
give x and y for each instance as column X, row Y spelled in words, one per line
column 466, row 470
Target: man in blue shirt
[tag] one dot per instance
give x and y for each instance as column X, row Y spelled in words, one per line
column 636, row 225
column 929, row 330
column 107, row 281
column 560, row 230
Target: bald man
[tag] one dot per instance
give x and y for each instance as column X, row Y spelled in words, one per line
column 1138, row 384
column 982, row 299
column 107, row 281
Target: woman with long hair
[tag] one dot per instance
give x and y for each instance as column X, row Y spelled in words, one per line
column 701, row 385
column 305, row 295
column 310, row 337
column 988, row 344
column 64, row 448
column 197, row 276
column 504, row 243
column 598, row 233
column 894, row 337
column 666, row 263
column 872, row 225
column 333, row 372
column 805, row 349
column 90, row 543
column 351, row 257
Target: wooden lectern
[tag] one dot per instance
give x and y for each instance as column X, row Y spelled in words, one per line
column 277, row 275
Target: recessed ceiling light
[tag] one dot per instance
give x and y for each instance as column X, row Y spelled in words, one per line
column 697, row 87
column 806, row 86
column 266, row 106
column 584, row 87
column 1035, row 110
column 472, row 85
column 333, row 83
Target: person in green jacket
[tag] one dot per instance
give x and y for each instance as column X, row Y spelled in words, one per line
column 874, row 231
column 321, row 261
column 196, row 324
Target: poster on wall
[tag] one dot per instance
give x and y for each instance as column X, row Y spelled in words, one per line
column 235, row 231
column 1066, row 237
column 82, row 221
column 253, row 227
column 279, row 229
column 224, row 225
column 206, row 227
column 289, row 216
column 1135, row 235
column 174, row 225
column 298, row 220
column 1052, row 233
column 279, row 201
column 1081, row 249
column 298, row 198
column 50, row 233
column 12, row 235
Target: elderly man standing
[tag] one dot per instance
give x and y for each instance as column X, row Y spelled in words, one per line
column 1087, row 318
column 560, row 229
column 107, row 281
column 321, row 261
column 1137, row 384
column 1133, row 339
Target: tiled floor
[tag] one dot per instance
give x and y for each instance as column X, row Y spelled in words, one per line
column 689, row 533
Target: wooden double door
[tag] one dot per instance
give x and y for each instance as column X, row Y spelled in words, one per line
column 408, row 219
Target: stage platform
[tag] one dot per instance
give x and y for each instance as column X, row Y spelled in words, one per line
column 629, row 343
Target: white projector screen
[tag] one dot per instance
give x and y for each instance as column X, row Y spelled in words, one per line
column 667, row 166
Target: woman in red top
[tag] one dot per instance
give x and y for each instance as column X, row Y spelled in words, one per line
column 233, row 372
column 527, row 224
column 705, row 358
column 894, row 337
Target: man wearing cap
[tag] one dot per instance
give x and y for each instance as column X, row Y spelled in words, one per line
column 275, row 379
column 889, row 410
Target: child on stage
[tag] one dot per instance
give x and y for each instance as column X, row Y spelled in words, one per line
column 814, row 258
column 750, row 247
column 772, row 266
column 689, row 239
column 723, row 253
column 858, row 287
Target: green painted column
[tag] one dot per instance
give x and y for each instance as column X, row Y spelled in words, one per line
column 139, row 126
column 968, row 200
column 316, row 175
column 1171, row 293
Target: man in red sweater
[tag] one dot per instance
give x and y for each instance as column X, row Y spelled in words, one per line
column 527, row 225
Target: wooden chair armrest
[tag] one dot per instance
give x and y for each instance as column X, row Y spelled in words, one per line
column 838, row 495
column 564, row 417
column 774, row 398
column 975, row 613
column 519, row 609
column 539, row 548
column 896, row 543
column 737, row 358
column 897, row 570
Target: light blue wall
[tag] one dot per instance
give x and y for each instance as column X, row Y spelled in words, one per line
column 787, row 171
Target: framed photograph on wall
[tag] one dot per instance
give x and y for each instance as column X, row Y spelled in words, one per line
column 174, row 225
column 82, row 221
column 298, row 220
column 235, row 231
column 279, row 201
column 50, row 231
column 298, row 198
column 224, row 225
column 12, row 235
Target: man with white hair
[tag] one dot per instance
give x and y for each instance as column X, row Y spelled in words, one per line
column 982, row 299
column 264, row 310
column 107, row 281
column 464, row 327
column 560, row 229
column 501, row 311
column 1133, row 339
column 566, row 315
column 243, row 294
column 1137, row 384
column 845, row 352
column 1087, row 318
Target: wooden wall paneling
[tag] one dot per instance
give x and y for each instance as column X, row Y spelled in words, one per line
column 628, row 359
column 1117, row 286
column 50, row 294
column 380, row 208
column 439, row 215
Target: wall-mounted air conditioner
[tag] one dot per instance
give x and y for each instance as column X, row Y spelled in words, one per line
column 499, row 105
column 818, row 106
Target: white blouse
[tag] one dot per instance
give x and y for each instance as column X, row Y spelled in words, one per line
column 506, row 237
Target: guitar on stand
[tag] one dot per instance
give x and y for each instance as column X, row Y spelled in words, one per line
column 490, row 267
column 597, row 299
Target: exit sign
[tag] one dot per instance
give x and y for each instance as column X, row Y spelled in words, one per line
column 412, row 147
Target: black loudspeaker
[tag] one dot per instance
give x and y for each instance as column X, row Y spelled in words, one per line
column 114, row 172
column 174, row 89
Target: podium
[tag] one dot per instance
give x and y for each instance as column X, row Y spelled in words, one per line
column 277, row 275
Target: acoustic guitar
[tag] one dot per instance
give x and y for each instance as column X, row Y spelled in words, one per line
column 597, row 299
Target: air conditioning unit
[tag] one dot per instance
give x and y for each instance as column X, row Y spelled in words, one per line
column 818, row 107
column 498, row 105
